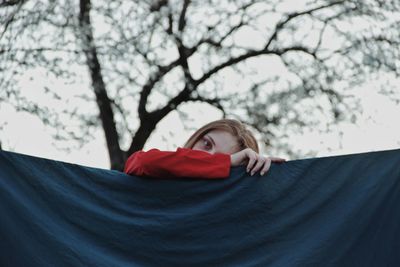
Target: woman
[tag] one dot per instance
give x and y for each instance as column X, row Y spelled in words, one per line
column 209, row 153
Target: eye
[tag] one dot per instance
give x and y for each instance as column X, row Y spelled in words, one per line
column 207, row 144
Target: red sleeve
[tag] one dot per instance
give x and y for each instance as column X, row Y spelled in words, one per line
column 183, row 162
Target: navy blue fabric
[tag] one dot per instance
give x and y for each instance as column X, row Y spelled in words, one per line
column 334, row 211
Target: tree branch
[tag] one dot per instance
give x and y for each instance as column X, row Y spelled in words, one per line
column 230, row 62
column 146, row 89
column 279, row 26
column 10, row 19
column 39, row 49
column 6, row 3
column 182, row 19
column 216, row 102
column 218, row 43
column 184, row 53
column 157, row 5
column 148, row 121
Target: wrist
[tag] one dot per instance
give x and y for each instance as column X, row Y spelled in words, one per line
column 235, row 159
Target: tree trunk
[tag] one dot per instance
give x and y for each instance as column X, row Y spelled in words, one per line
column 103, row 102
column 141, row 136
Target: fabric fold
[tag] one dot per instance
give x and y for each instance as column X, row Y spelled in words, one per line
column 331, row 211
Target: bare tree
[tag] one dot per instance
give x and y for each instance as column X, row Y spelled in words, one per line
column 182, row 50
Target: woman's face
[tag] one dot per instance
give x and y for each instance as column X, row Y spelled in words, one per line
column 217, row 141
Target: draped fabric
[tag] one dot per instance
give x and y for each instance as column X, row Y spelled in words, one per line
column 333, row 211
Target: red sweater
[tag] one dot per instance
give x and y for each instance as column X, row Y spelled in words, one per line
column 183, row 162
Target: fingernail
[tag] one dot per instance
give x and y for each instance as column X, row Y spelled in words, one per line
column 252, row 173
column 262, row 173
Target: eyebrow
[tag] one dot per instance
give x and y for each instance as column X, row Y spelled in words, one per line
column 212, row 140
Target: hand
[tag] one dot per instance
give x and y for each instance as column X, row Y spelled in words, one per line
column 255, row 161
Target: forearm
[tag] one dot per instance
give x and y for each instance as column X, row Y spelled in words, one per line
column 181, row 163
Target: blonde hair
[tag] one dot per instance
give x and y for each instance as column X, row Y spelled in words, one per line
column 245, row 138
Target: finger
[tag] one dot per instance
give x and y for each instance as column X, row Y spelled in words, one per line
column 252, row 159
column 260, row 162
column 266, row 167
column 277, row 160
